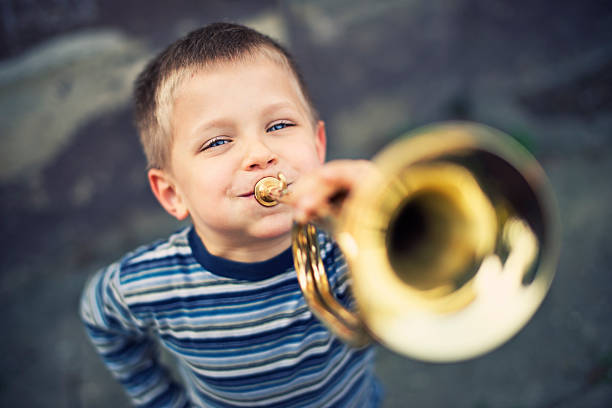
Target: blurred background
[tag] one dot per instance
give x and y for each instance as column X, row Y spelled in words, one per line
column 74, row 197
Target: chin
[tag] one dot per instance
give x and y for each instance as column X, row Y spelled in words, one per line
column 273, row 226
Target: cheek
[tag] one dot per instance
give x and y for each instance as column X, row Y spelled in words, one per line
column 207, row 185
column 304, row 155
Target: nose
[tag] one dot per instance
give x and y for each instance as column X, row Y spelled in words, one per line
column 258, row 155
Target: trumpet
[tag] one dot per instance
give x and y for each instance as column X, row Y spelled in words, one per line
column 451, row 246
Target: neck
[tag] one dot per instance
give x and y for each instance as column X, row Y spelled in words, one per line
column 240, row 250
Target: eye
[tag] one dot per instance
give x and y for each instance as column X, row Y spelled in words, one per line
column 217, row 141
column 279, row 126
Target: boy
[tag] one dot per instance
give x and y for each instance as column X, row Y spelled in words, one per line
column 217, row 111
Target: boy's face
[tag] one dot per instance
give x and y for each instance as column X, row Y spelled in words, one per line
column 234, row 124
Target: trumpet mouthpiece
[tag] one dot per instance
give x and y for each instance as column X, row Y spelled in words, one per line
column 269, row 190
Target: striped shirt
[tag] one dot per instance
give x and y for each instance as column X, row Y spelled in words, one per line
column 241, row 332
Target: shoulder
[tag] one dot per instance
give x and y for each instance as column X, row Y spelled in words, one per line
column 171, row 250
column 145, row 275
column 149, row 264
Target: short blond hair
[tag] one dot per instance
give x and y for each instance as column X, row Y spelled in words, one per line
column 213, row 44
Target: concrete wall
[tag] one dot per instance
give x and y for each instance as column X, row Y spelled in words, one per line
column 74, row 195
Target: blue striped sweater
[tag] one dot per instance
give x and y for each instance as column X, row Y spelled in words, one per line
column 241, row 333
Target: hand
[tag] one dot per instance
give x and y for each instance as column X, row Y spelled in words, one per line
column 324, row 190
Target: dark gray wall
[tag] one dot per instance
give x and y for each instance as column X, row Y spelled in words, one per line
column 74, row 195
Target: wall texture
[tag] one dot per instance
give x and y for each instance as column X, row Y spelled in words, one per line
column 74, row 195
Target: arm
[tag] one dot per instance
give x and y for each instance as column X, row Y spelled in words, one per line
column 122, row 342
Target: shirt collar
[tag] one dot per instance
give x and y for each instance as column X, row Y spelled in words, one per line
column 251, row 271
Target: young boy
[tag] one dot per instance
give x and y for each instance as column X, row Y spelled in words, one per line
column 217, row 111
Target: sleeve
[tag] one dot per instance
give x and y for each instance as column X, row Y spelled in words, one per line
column 125, row 345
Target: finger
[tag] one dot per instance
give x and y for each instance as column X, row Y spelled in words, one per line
column 311, row 200
column 346, row 174
column 322, row 191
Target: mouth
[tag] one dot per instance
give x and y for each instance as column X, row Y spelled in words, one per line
column 251, row 194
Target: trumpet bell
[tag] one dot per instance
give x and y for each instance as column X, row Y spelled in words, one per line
column 452, row 246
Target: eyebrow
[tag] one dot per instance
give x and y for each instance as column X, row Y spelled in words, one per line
column 212, row 124
column 278, row 106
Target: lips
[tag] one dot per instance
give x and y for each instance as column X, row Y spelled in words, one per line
column 252, row 194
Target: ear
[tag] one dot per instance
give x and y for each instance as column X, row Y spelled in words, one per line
column 167, row 194
column 321, row 141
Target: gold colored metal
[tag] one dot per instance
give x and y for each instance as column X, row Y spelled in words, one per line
column 317, row 292
column 450, row 253
column 269, row 190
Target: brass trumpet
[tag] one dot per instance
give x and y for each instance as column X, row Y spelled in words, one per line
column 451, row 247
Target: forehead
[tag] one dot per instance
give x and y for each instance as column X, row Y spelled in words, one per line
column 271, row 60
column 259, row 77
